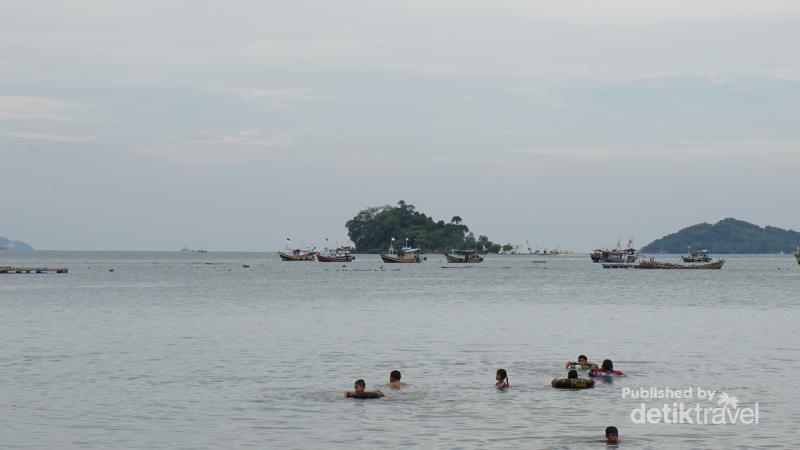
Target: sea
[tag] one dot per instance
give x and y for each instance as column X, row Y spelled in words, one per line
column 182, row 350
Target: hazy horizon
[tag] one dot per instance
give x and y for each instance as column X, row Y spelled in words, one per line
column 230, row 126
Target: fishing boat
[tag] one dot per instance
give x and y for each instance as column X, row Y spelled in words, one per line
column 653, row 264
column 405, row 255
column 626, row 255
column 797, row 255
column 297, row 255
column 701, row 256
column 463, row 256
column 341, row 254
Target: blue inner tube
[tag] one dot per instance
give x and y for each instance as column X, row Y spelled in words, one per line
column 572, row 383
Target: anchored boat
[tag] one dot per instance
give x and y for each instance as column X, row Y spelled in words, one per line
column 463, row 256
column 341, row 254
column 701, row 256
column 653, row 264
column 616, row 255
column 405, row 255
column 297, row 255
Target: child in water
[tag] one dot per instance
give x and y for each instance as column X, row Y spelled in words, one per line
column 501, row 379
column 612, row 435
column 394, row 380
column 606, row 369
column 359, row 391
column 582, row 361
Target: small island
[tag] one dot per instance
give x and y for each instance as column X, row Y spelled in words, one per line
column 18, row 246
column 372, row 229
column 727, row 236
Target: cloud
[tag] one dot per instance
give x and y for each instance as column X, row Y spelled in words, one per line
column 18, row 107
column 71, row 138
column 282, row 98
column 210, row 149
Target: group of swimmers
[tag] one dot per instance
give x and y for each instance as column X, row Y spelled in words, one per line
column 501, row 382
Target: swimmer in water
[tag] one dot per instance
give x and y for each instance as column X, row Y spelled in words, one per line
column 612, row 435
column 581, row 361
column 606, row 368
column 501, row 379
column 359, row 391
column 394, row 380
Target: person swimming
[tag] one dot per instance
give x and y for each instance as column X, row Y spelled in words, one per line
column 612, row 435
column 582, row 361
column 606, row 369
column 501, row 379
column 394, row 380
column 359, row 391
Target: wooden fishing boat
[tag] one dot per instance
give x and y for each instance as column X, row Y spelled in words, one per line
column 405, row 255
column 616, row 255
column 653, row 264
column 341, row 254
column 701, row 256
column 463, row 256
column 297, row 255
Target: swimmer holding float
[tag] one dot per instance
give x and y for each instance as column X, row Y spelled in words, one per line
column 606, row 370
column 359, row 391
column 582, row 363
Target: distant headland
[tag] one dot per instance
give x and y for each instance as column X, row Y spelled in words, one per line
column 19, row 246
column 372, row 229
column 727, row 236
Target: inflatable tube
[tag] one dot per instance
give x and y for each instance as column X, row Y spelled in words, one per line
column 572, row 383
column 365, row 395
column 604, row 373
column 579, row 367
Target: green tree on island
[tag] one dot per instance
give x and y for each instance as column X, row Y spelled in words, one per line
column 371, row 229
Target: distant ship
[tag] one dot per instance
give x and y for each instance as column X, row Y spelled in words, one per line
column 616, row 255
column 297, row 255
column 797, row 255
column 341, row 254
column 463, row 256
column 701, row 256
column 186, row 249
column 405, row 255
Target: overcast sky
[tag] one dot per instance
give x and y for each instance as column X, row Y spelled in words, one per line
column 147, row 125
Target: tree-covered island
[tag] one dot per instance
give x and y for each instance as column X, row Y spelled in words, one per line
column 372, row 229
column 727, row 236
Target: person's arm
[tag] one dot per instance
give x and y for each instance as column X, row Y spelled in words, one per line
column 380, row 392
column 346, row 394
column 569, row 363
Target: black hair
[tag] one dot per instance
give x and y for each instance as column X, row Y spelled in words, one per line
column 572, row 374
column 394, row 376
column 360, row 382
column 612, row 430
column 503, row 375
column 582, row 356
column 608, row 365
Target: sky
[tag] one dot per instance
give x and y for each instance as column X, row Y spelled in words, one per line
column 150, row 125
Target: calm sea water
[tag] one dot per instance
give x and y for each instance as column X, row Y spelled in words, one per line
column 175, row 350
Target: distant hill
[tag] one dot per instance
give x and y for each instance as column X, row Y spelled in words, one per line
column 19, row 246
column 727, row 236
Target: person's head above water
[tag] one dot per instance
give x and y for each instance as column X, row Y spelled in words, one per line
column 395, row 375
column 582, row 359
column 501, row 377
column 359, row 386
column 608, row 365
column 572, row 374
column 612, row 435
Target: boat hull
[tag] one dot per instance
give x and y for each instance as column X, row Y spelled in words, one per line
column 662, row 265
column 339, row 258
column 462, row 259
column 392, row 259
